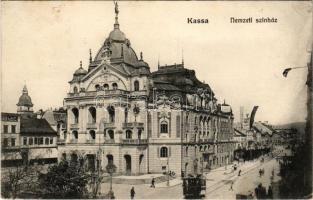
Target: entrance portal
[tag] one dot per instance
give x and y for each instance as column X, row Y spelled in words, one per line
column 128, row 164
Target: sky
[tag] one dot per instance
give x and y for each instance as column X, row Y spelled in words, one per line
column 42, row 44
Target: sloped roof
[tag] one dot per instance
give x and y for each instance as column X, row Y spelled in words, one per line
column 36, row 126
column 166, row 87
column 239, row 133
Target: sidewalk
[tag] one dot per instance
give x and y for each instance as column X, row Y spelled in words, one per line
column 174, row 182
column 218, row 177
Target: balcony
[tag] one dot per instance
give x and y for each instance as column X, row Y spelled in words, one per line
column 109, row 125
column 109, row 141
column 73, row 141
column 206, row 140
column 91, row 126
column 74, row 126
column 97, row 93
column 133, row 125
column 90, row 141
column 134, row 141
column 61, row 141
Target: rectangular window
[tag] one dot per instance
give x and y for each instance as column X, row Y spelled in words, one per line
column 25, row 141
column 12, row 142
column 30, row 141
column 36, row 140
column 46, row 141
column 5, row 142
column 51, row 140
column 13, row 129
column 5, row 128
column 40, row 141
column 177, row 126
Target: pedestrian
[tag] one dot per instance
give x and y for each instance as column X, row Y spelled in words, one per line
column 152, row 183
column 132, row 193
column 270, row 192
column 239, row 173
column 231, row 186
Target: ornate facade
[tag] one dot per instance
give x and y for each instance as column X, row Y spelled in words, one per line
column 143, row 122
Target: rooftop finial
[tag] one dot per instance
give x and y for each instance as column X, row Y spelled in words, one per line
column 182, row 62
column 25, row 91
column 81, row 64
column 141, row 56
column 116, row 25
column 159, row 61
column 90, row 56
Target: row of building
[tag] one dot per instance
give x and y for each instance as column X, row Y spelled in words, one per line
column 261, row 136
column 117, row 111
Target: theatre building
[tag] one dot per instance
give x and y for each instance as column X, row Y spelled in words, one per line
column 143, row 122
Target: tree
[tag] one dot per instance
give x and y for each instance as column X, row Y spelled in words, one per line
column 65, row 180
column 22, row 178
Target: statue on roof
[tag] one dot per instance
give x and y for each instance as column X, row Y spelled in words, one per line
column 116, row 7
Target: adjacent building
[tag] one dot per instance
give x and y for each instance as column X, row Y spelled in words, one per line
column 10, row 139
column 25, row 138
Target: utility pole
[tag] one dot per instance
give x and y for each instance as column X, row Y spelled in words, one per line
column 168, row 168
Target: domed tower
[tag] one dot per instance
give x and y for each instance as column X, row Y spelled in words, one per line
column 117, row 51
column 25, row 104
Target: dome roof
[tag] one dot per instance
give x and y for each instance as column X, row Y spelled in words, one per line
column 80, row 71
column 142, row 63
column 117, row 35
column 25, row 99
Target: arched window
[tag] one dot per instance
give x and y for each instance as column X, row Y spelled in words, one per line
column 111, row 111
column 75, row 135
column 65, row 134
column 92, row 115
column 164, row 127
column 106, row 87
column 92, row 134
column 128, row 134
column 186, row 153
column 126, row 115
column 114, row 86
column 97, row 87
column 75, row 90
column 136, row 85
column 76, row 115
column 163, row 152
column 111, row 134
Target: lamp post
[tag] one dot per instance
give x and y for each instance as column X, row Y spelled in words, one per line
column 111, row 168
column 168, row 169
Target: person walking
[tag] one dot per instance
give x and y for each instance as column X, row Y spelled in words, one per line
column 239, row 173
column 153, row 183
column 132, row 193
column 231, row 186
column 270, row 192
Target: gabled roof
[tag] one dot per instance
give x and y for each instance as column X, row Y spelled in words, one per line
column 36, row 126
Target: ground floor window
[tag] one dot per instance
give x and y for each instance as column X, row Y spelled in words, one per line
column 164, row 152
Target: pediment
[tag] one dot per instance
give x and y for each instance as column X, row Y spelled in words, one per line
column 103, row 68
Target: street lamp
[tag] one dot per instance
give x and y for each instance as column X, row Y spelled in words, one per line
column 111, row 168
column 286, row 71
